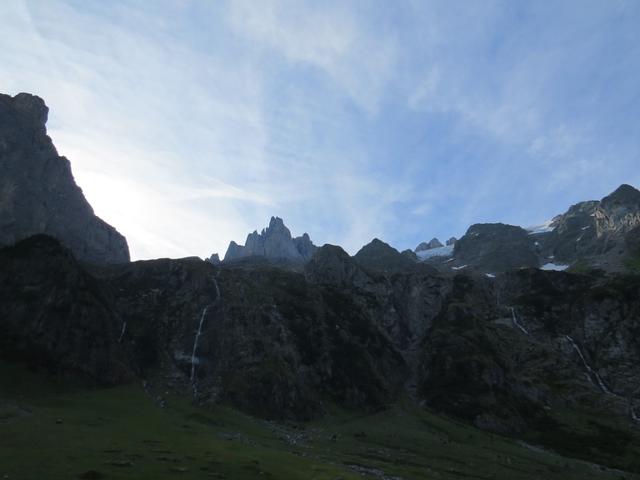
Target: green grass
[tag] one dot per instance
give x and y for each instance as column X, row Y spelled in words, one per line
column 56, row 432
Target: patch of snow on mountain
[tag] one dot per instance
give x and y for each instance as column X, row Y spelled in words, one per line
column 544, row 228
column 554, row 266
column 445, row 251
column 459, row 268
column 490, row 275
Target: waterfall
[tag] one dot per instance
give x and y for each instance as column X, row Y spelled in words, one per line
column 516, row 323
column 195, row 343
column 591, row 372
column 199, row 332
column 122, row 332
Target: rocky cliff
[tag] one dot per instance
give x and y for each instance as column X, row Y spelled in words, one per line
column 38, row 193
column 273, row 243
column 594, row 232
column 508, row 354
column 433, row 243
column 589, row 235
column 495, row 247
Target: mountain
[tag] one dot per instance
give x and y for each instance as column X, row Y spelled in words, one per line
column 494, row 247
column 380, row 256
column 331, row 265
column 433, row 243
column 589, row 235
column 594, row 233
column 38, row 193
column 273, row 243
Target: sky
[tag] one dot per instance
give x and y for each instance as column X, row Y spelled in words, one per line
column 189, row 124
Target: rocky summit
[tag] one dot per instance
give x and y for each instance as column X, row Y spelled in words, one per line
column 433, row 243
column 38, row 193
column 273, row 243
column 589, row 235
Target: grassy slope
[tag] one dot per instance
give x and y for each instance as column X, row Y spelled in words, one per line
column 120, row 433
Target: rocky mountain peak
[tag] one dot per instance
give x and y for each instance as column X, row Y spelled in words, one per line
column 276, row 224
column 623, row 195
column 38, row 194
column 378, row 255
column 433, row 243
column 29, row 111
column 274, row 243
column 495, row 247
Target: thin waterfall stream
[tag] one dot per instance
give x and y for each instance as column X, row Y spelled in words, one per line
column 123, row 331
column 199, row 331
column 516, row 323
column 590, row 371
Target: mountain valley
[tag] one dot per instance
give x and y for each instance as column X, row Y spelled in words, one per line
column 507, row 353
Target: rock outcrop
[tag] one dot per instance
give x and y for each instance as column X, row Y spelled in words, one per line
column 55, row 315
column 589, row 235
column 495, row 247
column 593, row 233
column 331, row 265
column 433, row 243
column 273, row 243
column 38, row 194
column 380, row 256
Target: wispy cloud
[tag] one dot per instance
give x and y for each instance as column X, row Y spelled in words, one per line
column 331, row 37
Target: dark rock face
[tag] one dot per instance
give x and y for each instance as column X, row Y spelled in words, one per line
column 495, row 247
column 504, row 354
column 380, row 256
column 271, row 342
column 410, row 254
column 275, row 243
column 276, row 343
column 593, row 233
column 632, row 239
column 38, row 193
column 305, row 246
column 452, row 241
column 331, row 265
column 53, row 314
column 296, row 342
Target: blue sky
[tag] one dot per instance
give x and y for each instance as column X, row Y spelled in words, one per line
column 188, row 124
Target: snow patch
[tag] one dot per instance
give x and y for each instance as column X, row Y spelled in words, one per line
column 459, row 268
column 490, row 275
column 543, row 228
column 554, row 267
column 445, row 251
